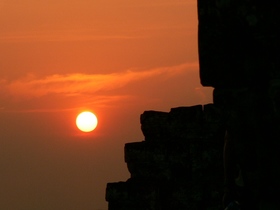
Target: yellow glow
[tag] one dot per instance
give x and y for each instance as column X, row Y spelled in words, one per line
column 86, row 121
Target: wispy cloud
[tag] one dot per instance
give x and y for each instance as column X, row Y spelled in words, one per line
column 75, row 84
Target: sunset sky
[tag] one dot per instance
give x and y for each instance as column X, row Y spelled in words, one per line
column 116, row 58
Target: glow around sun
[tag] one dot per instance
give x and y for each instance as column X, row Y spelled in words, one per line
column 86, row 121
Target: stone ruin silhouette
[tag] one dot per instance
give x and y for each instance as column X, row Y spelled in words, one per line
column 205, row 157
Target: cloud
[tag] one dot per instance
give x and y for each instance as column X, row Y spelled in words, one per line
column 76, row 84
column 65, row 92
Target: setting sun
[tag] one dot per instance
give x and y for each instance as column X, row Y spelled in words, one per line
column 86, row 121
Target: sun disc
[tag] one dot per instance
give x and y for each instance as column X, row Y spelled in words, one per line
column 86, row 121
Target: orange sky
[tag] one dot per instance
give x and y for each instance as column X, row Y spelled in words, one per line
column 58, row 57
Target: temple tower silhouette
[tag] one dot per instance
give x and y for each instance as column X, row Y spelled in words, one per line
column 204, row 157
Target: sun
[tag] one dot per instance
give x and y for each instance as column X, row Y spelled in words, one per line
column 86, row 121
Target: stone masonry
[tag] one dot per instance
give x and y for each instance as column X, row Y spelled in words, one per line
column 177, row 166
column 239, row 56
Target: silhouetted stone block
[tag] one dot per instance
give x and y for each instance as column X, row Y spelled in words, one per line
column 155, row 125
column 179, row 124
column 186, row 122
column 214, row 123
column 238, row 42
column 132, row 195
column 163, row 162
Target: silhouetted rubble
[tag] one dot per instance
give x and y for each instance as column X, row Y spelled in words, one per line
column 177, row 166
